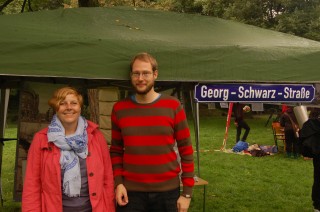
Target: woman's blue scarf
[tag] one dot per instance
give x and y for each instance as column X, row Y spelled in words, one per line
column 72, row 147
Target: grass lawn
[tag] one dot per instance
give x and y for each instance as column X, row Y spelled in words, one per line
column 245, row 183
column 236, row 182
column 8, row 165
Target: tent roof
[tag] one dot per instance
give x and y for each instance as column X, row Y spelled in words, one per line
column 98, row 43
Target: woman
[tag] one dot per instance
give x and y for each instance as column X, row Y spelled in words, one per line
column 68, row 166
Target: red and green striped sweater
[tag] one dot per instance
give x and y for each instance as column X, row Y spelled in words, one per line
column 143, row 137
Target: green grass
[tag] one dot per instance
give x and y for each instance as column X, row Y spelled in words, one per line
column 245, row 183
column 8, row 166
column 236, row 182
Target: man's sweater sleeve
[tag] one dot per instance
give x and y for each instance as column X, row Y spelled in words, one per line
column 116, row 150
column 182, row 135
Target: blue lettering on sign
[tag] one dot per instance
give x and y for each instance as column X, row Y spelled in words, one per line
column 254, row 93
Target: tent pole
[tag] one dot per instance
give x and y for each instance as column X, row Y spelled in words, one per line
column 227, row 127
column 4, row 99
column 195, row 114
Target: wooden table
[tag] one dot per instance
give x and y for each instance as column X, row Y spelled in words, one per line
column 202, row 182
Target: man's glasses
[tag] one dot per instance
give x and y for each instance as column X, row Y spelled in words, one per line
column 144, row 75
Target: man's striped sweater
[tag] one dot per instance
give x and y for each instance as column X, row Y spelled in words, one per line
column 142, row 149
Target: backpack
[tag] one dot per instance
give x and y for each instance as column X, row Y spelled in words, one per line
column 240, row 146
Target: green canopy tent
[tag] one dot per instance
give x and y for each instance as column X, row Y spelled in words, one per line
column 97, row 43
column 93, row 47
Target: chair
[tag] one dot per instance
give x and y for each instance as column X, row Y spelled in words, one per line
column 278, row 133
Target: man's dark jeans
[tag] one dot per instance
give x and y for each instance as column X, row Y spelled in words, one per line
column 151, row 201
column 244, row 125
column 316, row 183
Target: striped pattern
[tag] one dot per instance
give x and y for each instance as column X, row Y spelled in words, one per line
column 143, row 137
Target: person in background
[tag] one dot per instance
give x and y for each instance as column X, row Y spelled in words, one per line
column 145, row 128
column 68, row 167
column 310, row 147
column 239, row 121
column 288, row 120
column 284, row 108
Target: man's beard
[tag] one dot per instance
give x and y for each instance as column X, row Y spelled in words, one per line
column 145, row 91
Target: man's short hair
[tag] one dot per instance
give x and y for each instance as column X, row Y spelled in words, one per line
column 146, row 58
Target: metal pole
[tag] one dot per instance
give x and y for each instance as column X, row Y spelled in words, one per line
column 195, row 113
column 4, row 99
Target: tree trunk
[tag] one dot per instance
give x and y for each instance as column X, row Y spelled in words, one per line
column 88, row 3
column 93, row 105
column 5, row 4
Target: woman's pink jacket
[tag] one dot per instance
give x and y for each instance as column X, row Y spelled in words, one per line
column 42, row 184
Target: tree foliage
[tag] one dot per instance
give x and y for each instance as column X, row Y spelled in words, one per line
column 300, row 17
column 16, row 6
column 297, row 17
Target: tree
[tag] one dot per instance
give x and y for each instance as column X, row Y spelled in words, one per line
column 301, row 18
column 4, row 4
column 298, row 17
column 216, row 8
column 16, row 6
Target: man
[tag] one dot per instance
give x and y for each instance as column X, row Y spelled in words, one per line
column 240, row 122
column 145, row 128
column 309, row 143
column 289, row 121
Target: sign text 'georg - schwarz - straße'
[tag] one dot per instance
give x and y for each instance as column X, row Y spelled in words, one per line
column 254, row 93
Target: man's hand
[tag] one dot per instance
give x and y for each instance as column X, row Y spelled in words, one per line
column 121, row 195
column 183, row 204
